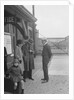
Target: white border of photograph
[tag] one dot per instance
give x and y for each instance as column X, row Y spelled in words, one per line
column 38, row 96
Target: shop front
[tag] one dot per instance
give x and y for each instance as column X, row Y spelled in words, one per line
column 18, row 24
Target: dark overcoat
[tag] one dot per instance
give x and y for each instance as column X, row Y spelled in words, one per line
column 31, row 56
column 46, row 54
column 31, row 60
column 25, row 50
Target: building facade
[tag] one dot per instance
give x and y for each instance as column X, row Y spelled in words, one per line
column 19, row 23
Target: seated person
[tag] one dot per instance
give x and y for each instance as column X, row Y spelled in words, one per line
column 16, row 74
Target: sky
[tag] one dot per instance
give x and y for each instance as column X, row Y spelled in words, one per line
column 52, row 20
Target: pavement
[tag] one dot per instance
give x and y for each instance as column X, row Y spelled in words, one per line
column 58, row 77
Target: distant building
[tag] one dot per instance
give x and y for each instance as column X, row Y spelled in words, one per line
column 58, row 45
column 67, row 44
column 36, row 40
column 39, row 46
column 64, row 44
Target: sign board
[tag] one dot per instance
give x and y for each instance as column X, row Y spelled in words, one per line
column 7, row 42
column 9, row 19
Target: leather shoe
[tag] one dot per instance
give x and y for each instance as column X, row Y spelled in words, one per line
column 45, row 81
column 31, row 78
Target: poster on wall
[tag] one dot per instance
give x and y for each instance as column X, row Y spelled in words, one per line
column 7, row 42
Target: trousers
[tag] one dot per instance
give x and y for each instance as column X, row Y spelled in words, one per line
column 45, row 71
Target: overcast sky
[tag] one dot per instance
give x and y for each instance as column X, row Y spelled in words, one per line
column 52, row 20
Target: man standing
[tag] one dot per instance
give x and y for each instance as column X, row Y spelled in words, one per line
column 28, row 59
column 46, row 57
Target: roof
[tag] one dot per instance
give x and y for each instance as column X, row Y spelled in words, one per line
column 20, row 11
column 26, row 12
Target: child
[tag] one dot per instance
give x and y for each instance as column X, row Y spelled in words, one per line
column 16, row 74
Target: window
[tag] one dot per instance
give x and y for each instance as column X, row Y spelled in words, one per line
column 7, row 42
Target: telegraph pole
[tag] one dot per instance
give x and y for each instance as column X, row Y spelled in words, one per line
column 33, row 11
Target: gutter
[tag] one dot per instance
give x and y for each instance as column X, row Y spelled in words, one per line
column 26, row 12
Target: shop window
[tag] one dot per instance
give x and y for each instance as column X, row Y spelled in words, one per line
column 8, row 42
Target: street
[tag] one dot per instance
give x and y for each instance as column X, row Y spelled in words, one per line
column 58, row 77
